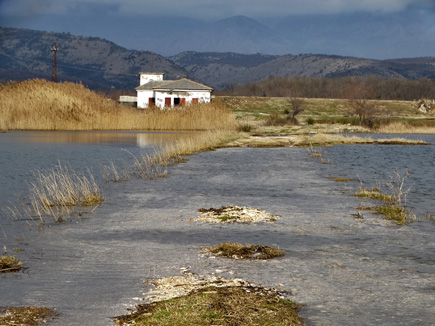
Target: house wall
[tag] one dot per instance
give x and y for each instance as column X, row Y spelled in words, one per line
column 147, row 77
column 202, row 96
column 143, row 97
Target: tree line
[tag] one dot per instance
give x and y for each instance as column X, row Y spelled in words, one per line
column 350, row 87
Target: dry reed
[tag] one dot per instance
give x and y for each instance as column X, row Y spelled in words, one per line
column 402, row 128
column 42, row 105
column 56, row 191
column 154, row 165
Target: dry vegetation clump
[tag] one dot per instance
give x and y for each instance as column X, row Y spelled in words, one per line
column 234, row 214
column 405, row 128
column 374, row 193
column 239, row 251
column 327, row 139
column 57, row 191
column 394, row 210
column 154, row 165
column 42, row 105
column 338, row 179
column 9, row 264
column 194, row 300
column 26, row 316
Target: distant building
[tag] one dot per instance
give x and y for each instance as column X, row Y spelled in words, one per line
column 154, row 91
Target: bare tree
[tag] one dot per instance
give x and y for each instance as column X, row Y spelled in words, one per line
column 297, row 106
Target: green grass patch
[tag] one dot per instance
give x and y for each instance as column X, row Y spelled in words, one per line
column 374, row 193
column 393, row 213
column 239, row 251
column 232, row 305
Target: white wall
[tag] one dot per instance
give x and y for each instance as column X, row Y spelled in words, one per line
column 147, row 77
column 143, row 97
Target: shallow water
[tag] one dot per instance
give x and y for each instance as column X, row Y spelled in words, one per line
column 346, row 271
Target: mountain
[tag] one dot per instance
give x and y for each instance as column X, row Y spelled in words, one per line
column 375, row 35
column 224, row 69
column 95, row 62
column 100, row 64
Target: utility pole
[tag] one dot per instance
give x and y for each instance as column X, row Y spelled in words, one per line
column 54, row 65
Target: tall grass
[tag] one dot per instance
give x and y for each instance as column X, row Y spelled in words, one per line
column 42, row 105
column 55, row 192
column 154, row 165
column 405, row 128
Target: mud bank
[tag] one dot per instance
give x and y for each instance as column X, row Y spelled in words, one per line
column 345, row 271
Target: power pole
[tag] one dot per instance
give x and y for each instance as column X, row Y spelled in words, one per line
column 54, row 65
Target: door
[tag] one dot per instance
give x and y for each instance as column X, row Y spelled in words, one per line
column 167, row 102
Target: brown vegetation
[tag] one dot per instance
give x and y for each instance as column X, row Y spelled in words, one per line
column 57, row 191
column 239, row 251
column 9, row 264
column 26, row 316
column 42, row 105
column 354, row 87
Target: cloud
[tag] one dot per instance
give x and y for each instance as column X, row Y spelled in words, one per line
column 258, row 8
column 206, row 9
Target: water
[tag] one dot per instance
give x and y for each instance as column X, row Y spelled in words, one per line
column 24, row 152
column 345, row 271
column 375, row 165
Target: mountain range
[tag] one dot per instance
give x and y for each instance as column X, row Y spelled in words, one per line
column 101, row 64
column 375, row 35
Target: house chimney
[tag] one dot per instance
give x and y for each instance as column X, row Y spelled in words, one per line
column 146, row 77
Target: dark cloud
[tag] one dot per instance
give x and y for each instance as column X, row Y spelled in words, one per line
column 206, row 9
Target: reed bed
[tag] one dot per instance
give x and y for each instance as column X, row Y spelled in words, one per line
column 41, row 105
column 154, row 165
column 403, row 128
column 327, row 139
column 55, row 192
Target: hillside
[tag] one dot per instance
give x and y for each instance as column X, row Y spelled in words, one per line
column 224, row 69
column 100, row 64
column 97, row 63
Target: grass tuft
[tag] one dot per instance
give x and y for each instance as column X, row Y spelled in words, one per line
column 239, row 251
column 26, row 316
column 393, row 213
column 375, row 194
column 337, row 179
column 9, row 264
column 230, row 305
column 58, row 190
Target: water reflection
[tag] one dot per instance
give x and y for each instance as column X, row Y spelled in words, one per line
column 141, row 139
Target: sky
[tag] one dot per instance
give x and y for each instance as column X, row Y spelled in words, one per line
column 206, row 9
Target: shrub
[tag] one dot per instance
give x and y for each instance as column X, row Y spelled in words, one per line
column 310, row 121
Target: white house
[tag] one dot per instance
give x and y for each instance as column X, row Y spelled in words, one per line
column 153, row 90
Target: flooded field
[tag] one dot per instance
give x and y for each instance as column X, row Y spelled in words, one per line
column 345, row 271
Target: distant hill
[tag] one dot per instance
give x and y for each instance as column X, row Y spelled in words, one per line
column 225, row 69
column 100, row 64
column 97, row 63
